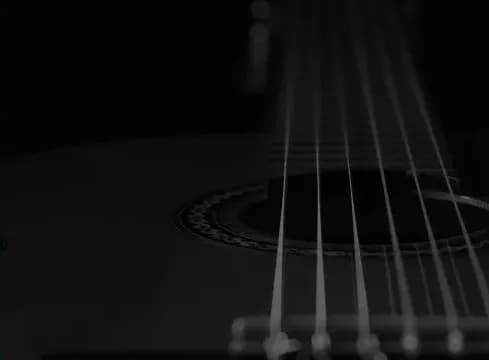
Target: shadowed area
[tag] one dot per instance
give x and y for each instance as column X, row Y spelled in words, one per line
column 369, row 206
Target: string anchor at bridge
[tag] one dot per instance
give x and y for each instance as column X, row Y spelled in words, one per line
column 280, row 344
column 321, row 345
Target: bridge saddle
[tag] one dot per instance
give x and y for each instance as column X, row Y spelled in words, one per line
column 250, row 336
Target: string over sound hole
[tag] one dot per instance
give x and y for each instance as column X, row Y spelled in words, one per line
column 248, row 216
column 370, row 209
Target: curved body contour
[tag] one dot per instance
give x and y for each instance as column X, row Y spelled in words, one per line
column 95, row 262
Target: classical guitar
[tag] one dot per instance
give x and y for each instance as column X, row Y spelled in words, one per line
column 342, row 232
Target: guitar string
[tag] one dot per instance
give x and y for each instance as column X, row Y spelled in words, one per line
column 448, row 302
column 276, row 311
column 361, row 290
column 424, row 281
column 418, row 93
column 408, row 317
column 320, row 313
column 390, row 290
column 353, row 281
column 458, row 281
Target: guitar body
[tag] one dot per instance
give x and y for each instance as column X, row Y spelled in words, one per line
column 96, row 263
column 354, row 226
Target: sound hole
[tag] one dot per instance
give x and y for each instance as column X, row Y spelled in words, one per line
column 370, row 209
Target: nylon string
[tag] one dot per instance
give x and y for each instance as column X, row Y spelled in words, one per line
column 360, row 291
column 448, row 302
column 424, row 281
column 415, row 86
column 458, row 280
column 277, row 295
column 320, row 314
column 390, row 290
column 409, row 321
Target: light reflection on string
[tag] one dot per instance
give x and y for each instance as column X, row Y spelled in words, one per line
column 277, row 342
column 424, row 280
column 418, row 93
column 366, row 341
column 448, row 302
column 409, row 321
column 458, row 281
column 392, row 301
column 320, row 339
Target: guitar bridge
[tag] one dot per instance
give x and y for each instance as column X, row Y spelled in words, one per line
column 251, row 337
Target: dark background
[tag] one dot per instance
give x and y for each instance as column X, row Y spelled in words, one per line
column 92, row 70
